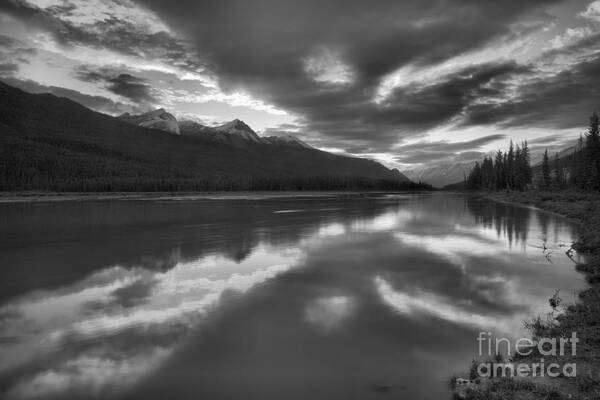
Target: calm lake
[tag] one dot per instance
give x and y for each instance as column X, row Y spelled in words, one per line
column 331, row 297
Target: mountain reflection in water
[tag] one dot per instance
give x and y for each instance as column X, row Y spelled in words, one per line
column 321, row 298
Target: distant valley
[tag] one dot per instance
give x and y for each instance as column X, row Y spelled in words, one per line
column 451, row 175
column 439, row 175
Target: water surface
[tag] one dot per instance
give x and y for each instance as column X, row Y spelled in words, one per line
column 282, row 298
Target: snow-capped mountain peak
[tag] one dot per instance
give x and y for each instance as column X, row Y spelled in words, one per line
column 239, row 128
column 156, row 119
column 236, row 133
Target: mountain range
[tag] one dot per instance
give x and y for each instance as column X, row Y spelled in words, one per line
column 235, row 133
column 440, row 175
column 53, row 143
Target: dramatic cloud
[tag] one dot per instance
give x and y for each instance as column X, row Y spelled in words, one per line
column 8, row 69
column 99, row 103
column 443, row 151
column 563, row 100
column 356, row 77
column 592, row 12
column 452, row 147
column 117, row 25
column 123, row 84
column 345, row 43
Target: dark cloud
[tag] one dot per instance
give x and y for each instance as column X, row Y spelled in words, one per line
column 113, row 32
column 131, row 87
column 261, row 46
column 429, row 106
column 432, row 152
column 564, row 100
column 10, row 42
column 8, row 69
column 97, row 103
column 366, row 127
column 444, row 145
column 12, row 53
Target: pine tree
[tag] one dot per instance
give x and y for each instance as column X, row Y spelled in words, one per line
column 558, row 177
column 474, row 178
column 592, row 165
column 578, row 165
column 511, row 170
column 526, row 162
column 546, row 171
column 518, row 170
column 499, row 171
column 510, row 167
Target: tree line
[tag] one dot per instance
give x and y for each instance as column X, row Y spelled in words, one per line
column 80, row 167
column 512, row 169
column 509, row 170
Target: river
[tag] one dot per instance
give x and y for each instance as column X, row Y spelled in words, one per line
column 326, row 297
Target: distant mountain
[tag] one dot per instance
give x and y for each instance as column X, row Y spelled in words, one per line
column 288, row 140
column 441, row 174
column 157, row 119
column 235, row 133
column 211, row 134
column 238, row 128
column 53, row 143
column 538, row 157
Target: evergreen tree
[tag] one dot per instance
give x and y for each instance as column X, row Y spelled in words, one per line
column 558, row 177
column 511, row 170
column 578, row 165
column 526, row 162
column 592, row 155
column 474, row 179
column 510, row 166
column 487, row 174
column 518, row 173
column 546, row 181
column 499, row 171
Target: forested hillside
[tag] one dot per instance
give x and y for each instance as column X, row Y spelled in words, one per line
column 52, row 143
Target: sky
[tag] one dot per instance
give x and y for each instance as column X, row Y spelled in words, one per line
column 408, row 83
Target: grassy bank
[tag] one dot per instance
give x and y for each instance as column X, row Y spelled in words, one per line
column 582, row 317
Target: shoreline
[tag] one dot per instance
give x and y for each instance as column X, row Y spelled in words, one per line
column 582, row 317
column 43, row 197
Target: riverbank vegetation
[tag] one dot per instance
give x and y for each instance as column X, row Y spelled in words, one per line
column 569, row 185
column 582, row 317
column 512, row 170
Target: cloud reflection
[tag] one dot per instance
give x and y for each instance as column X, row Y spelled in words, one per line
column 113, row 301
column 330, row 293
column 327, row 313
column 422, row 303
